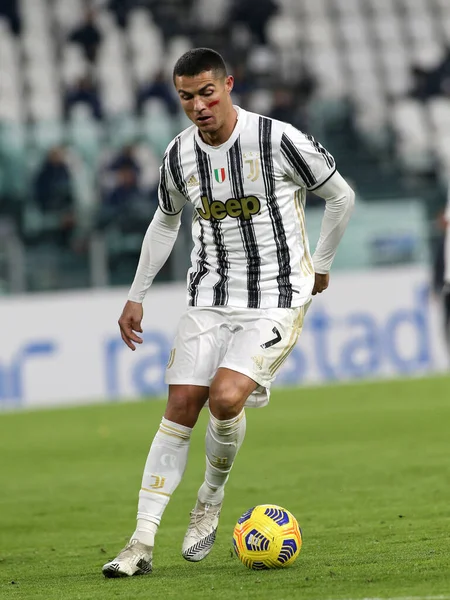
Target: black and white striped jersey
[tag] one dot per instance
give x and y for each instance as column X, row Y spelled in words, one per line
column 250, row 243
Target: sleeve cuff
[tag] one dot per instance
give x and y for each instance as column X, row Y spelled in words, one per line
column 317, row 186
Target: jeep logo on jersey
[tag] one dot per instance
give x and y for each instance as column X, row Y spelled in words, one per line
column 233, row 207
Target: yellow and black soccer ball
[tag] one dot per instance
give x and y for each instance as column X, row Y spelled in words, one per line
column 267, row 537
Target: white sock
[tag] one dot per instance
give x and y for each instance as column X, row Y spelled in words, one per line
column 223, row 440
column 163, row 471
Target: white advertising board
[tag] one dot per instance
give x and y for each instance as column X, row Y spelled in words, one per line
column 65, row 348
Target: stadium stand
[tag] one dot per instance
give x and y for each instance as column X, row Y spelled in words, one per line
column 370, row 78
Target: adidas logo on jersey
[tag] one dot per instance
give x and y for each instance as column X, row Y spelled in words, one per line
column 192, row 181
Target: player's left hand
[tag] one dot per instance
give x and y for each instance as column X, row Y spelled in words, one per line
column 321, row 283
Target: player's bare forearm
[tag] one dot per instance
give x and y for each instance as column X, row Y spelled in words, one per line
column 130, row 323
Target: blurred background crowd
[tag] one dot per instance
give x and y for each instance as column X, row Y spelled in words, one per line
column 87, row 108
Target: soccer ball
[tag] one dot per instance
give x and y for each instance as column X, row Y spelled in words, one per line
column 267, row 537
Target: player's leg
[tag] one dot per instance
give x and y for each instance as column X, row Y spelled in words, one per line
column 192, row 364
column 224, row 436
column 163, row 471
column 256, row 351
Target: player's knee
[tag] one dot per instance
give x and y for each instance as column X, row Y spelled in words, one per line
column 180, row 409
column 225, row 402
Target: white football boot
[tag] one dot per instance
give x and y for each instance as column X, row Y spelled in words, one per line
column 134, row 559
column 201, row 531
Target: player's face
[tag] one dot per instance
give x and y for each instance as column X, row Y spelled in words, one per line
column 205, row 99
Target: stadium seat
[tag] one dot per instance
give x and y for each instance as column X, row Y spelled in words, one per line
column 371, row 120
column 413, row 140
column 150, row 163
column 439, row 113
column 354, row 31
column 35, row 15
column 84, row 134
column 68, row 14
column 327, row 66
column 387, row 30
column 362, row 63
column 320, row 33
column 116, row 97
column 139, row 19
column 37, row 44
column 314, row 10
column 416, row 7
column 442, row 149
column 261, row 101
column 73, row 64
column 177, row 46
column 420, row 29
column 443, row 5
column 122, row 128
column 117, row 93
column 11, row 107
column 13, row 157
column 211, row 13
column 43, row 105
column 283, row 32
column 40, row 79
column 106, row 22
column 44, row 134
column 146, row 53
column 9, row 50
column 445, row 27
column 386, row 8
column 156, row 125
column 426, row 55
column 348, row 8
column 365, row 86
column 396, row 75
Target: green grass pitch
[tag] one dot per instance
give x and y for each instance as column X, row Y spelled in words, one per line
column 364, row 467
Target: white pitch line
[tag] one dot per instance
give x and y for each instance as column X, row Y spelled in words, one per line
column 406, row 598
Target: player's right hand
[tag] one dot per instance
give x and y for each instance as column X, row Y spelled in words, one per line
column 130, row 322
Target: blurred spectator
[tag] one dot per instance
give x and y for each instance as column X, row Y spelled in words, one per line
column 255, row 14
column 120, row 8
column 243, row 85
column 137, row 156
column 160, row 88
column 290, row 108
column 126, row 158
column 112, row 165
column 126, row 206
column 431, row 82
column 53, row 195
column 88, row 36
column 9, row 9
column 84, row 91
column 424, row 83
column 283, row 106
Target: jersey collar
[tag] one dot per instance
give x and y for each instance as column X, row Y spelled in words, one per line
column 230, row 141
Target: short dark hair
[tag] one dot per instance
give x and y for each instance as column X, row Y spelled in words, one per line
column 197, row 60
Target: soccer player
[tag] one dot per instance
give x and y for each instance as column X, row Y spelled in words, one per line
column 249, row 286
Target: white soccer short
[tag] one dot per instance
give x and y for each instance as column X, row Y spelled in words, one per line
column 251, row 341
